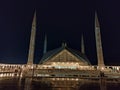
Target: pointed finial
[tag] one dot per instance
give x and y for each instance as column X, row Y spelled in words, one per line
column 64, row 44
column 96, row 21
column 34, row 20
column 82, row 45
column 45, row 45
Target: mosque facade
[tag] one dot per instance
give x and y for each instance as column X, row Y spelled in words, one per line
column 61, row 62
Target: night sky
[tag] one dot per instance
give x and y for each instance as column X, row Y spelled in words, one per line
column 62, row 21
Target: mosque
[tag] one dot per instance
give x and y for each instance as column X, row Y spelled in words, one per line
column 61, row 62
column 65, row 56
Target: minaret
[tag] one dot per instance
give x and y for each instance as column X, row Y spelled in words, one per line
column 45, row 45
column 82, row 45
column 32, row 41
column 98, row 43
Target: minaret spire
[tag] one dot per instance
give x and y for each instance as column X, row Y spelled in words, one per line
column 82, row 45
column 32, row 41
column 45, row 45
column 98, row 43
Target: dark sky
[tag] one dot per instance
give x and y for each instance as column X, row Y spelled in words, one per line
column 62, row 21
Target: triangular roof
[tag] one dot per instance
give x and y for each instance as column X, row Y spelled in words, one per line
column 54, row 52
